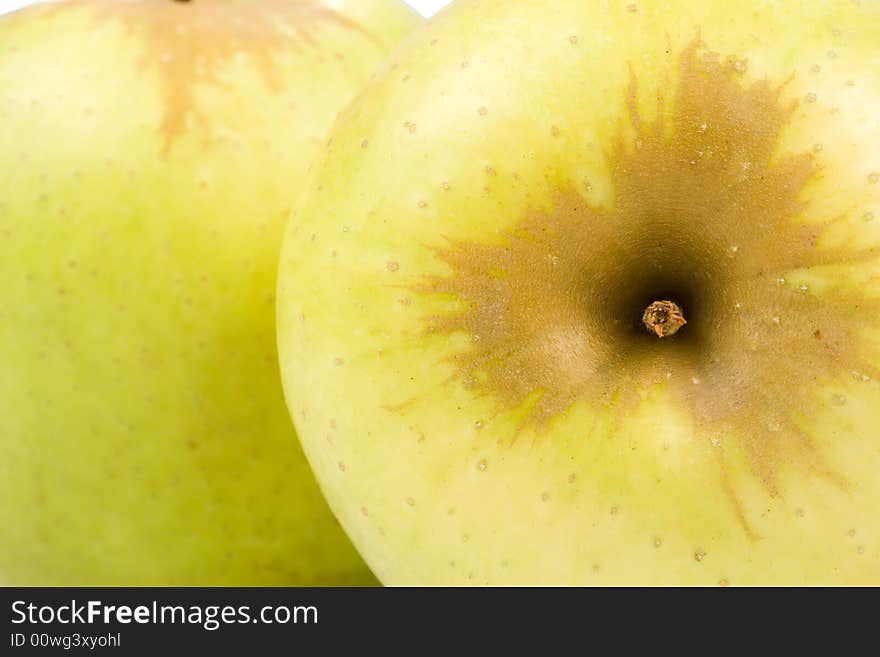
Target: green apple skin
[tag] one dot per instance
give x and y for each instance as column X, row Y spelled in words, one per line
column 149, row 155
column 459, row 296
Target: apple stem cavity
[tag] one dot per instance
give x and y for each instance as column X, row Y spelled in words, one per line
column 663, row 318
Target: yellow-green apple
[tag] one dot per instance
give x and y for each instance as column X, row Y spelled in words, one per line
column 149, row 154
column 589, row 293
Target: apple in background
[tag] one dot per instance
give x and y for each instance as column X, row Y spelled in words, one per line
column 149, row 154
column 589, row 293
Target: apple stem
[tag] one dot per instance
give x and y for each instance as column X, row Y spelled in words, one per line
column 663, row 318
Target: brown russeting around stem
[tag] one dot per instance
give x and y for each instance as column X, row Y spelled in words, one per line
column 707, row 209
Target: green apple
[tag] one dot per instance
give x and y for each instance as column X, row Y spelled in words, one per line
column 589, row 293
column 149, row 154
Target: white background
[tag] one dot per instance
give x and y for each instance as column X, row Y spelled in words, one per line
column 424, row 7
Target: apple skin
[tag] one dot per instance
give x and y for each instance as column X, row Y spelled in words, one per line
column 458, row 288
column 149, row 155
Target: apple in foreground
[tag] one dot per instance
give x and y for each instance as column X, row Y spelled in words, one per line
column 149, row 155
column 589, row 293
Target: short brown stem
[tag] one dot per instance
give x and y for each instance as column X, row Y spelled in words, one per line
column 663, row 318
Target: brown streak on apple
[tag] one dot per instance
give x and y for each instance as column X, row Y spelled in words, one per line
column 735, row 502
column 706, row 211
column 397, row 408
column 188, row 43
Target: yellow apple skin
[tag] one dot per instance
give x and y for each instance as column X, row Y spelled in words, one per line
column 149, row 154
column 458, row 289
